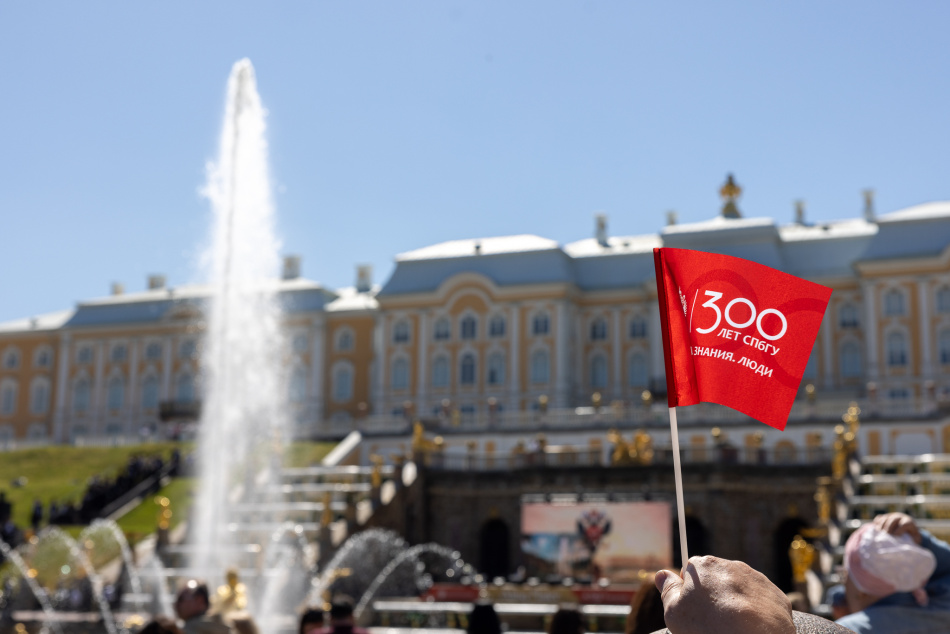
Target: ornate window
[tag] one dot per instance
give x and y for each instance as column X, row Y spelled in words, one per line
column 81, row 396
column 153, row 351
column 188, row 349
column 345, row 341
column 540, row 367
column 848, row 316
column 297, row 387
column 811, row 368
column 443, row 329
column 943, row 299
column 896, row 349
column 115, row 393
column 638, row 328
column 300, row 343
column 43, row 357
column 84, row 355
column 637, row 370
column 400, row 374
column 119, row 353
column 9, row 391
column 343, row 383
column 39, row 396
column 11, row 359
column 496, row 369
column 598, row 329
column 401, row 331
column 185, row 388
column 467, row 369
column 440, row 371
column 496, row 327
column 894, row 303
column 598, row 371
column 850, row 360
column 468, row 328
column 150, row 393
column 944, row 347
column 540, row 324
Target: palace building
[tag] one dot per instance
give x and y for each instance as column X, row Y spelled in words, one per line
column 496, row 329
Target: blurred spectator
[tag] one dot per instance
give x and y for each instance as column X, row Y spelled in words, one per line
column 646, row 610
column 566, row 621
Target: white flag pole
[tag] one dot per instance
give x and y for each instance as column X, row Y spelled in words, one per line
column 677, row 471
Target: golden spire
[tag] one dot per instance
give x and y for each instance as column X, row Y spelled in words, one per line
column 730, row 192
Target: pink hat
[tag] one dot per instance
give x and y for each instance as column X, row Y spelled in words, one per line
column 880, row 564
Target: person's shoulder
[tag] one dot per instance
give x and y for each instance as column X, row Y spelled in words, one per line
column 806, row 624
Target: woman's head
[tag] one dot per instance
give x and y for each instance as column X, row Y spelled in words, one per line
column 566, row 621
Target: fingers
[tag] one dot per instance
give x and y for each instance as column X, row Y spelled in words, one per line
column 669, row 584
column 898, row 524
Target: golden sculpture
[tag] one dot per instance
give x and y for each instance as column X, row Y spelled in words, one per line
column 643, row 446
column 730, row 192
column 802, row 555
column 839, row 463
column 376, row 475
column 326, row 518
column 823, row 498
column 232, row 596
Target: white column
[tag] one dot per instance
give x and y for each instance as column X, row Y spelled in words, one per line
column 827, row 325
column 423, row 356
column 379, row 356
column 98, row 406
column 870, row 329
column 131, row 391
column 617, row 347
column 580, row 361
column 167, row 370
column 926, row 354
column 317, row 363
column 657, row 363
column 514, row 354
column 561, row 342
column 62, row 388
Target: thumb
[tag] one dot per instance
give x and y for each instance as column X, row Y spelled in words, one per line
column 669, row 584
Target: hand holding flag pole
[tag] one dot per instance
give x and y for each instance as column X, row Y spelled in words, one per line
column 736, row 333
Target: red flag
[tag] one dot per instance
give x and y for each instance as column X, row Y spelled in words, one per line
column 735, row 332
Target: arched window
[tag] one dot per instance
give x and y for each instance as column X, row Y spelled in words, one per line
column 81, row 396
column 116, row 393
column 540, row 367
column 443, row 329
column 401, row 331
column 896, row 349
column 598, row 371
column 297, row 388
column 944, row 347
column 11, row 359
column 84, row 355
column 943, row 299
column 848, row 316
column 598, row 329
column 343, row 383
column 468, row 328
column 300, row 343
column 400, row 374
column 496, row 327
column 188, row 349
column 638, row 328
column 39, row 396
column 150, row 393
column 637, row 370
column 9, row 391
column 440, row 372
column 153, row 351
column 43, row 357
column 894, row 303
column 850, row 360
column 540, row 324
column 467, row 371
column 496, row 369
column 345, row 340
column 119, row 353
column 185, row 388
column 811, row 368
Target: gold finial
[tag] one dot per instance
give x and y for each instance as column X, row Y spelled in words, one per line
column 802, row 555
column 730, row 192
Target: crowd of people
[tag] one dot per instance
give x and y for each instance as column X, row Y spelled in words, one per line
column 896, row 581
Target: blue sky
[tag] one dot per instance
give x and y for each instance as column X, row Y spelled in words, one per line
column 398, row 124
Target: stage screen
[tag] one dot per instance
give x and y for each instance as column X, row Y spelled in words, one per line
column 611, row 539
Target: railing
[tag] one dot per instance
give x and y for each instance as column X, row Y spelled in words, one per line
column 561, row 457
column 184, row 410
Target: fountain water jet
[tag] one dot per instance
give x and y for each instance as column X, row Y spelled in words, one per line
column 38, row 591
column 243, row 408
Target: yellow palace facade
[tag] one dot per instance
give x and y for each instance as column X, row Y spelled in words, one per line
column 497, row 330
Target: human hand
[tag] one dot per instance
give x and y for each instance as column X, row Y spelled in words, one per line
column 720, row 596
column 898, row 524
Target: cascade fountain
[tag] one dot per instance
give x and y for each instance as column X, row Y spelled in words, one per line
column 243, row 417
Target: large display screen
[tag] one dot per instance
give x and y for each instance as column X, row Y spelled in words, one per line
column 616, row 540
